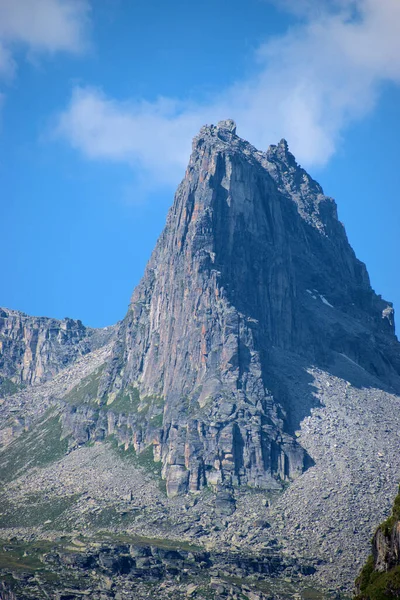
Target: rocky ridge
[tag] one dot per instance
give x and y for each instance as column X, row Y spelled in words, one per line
column 35, row 349
column 22, row 409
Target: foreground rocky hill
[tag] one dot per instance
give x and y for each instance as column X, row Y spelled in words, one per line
column 380, row 577
column 246, row 408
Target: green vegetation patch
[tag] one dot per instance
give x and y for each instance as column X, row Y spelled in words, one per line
column 375, row 585
column 387, row 526
column 127, row 401
column 378, row 586
column 143, row 459
column 86, row 392
column 19, row 556
column 8, row 387
column 146, row 460
column 364, row 577
column 23, row 556
column 35, row 511
column 128, row 454
column 110, row 516
column 148, row 409
column 156, row 420
column 38, row 447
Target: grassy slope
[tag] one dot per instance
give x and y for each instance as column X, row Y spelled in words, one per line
column 37, row 447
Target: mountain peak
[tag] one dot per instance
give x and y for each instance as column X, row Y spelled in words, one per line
column 252, row 268
column 290, row 178
column 281, row 152
column 219, row 136
column 227, row 125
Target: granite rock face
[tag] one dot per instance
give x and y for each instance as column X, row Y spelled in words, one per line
column 35, row 349
column 387, row 548
column 252, row 265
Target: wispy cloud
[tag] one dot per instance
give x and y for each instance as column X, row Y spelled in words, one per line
column 41, row 26
column 312, row 82
column 7, row 64
column 156, row 136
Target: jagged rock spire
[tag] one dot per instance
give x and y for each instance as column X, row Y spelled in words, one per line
column 228, row 125
column 252, row 261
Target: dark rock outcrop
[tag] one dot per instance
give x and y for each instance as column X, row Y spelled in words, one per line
column 253, row 263
column 151, row 570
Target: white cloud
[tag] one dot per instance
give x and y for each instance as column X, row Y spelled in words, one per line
column 312, row 82
column 155, row 135
column 41, row 26
column 7, row 64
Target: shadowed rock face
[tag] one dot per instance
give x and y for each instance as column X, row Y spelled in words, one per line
column 252, row 263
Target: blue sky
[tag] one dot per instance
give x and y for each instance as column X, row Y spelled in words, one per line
column 99, row 102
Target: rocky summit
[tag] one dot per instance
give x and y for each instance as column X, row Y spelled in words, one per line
column 236, row 435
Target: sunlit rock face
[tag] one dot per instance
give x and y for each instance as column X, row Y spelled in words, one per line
column 35, row 349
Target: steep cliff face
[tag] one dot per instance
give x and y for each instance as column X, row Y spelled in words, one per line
column 380, row 577
column 252, row 263
column 34, row 349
